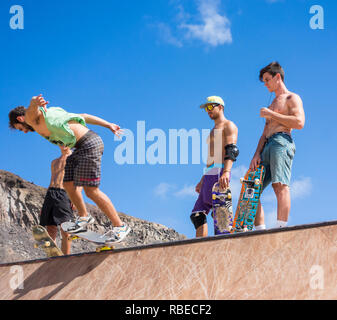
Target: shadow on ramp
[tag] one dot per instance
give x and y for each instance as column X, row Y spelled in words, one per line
column 53, row 275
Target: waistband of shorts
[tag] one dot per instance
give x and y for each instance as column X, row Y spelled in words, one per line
column 85, row 137
column 214, row 169
column 56, row 189
column 281, row 133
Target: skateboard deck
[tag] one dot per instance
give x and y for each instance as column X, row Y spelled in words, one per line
column 249, row 198
column 44, row 241
column 88, row 235
column 222, row 209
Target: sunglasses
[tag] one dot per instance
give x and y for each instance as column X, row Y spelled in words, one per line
column 210, row 107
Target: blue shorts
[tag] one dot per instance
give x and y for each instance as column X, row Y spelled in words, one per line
column 277, row 157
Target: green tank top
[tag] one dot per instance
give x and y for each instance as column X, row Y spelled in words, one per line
column 57, row 123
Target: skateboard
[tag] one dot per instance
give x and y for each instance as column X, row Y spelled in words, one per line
column 222, row 209
column 88, row 235
column 44, row 241
column 249, row 199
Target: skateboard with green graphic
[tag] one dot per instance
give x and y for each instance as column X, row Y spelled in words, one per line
column 249, row 199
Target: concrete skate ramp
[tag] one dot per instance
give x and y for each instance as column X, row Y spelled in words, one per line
column 292, row 263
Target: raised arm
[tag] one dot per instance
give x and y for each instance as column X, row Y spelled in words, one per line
column 90, row 119
column 33, row 111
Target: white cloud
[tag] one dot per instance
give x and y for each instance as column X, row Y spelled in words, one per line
column 162, row 189
column 167, row 36
column 165, row 190
column 214, row 28
column 208, row 25
column 301, row 188
column 186, row 191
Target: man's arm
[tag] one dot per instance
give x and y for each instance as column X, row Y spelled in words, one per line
column 256, row 158
column 231, row 138
column 295, row 119
column 90, row 119
column 231, row 134
column 33, row 112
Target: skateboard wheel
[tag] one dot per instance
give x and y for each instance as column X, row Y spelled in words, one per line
column 257, row 181
column 36, row 245
column 241, row 180
column 47, row 244
column 213, row 196
column 229, row 196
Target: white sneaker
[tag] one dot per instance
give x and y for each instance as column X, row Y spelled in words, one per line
column 81, row 224
column 117, row 234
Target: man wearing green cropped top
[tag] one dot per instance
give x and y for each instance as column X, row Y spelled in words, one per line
column 83, row 166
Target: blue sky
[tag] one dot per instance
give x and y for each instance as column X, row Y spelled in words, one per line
column 154, row 63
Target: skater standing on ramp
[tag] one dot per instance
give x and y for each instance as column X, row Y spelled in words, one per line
column 57, row 207
column 276, row 147
column 83, row 166
column 222, row 152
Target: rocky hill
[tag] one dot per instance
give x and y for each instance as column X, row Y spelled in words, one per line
column 20, row 206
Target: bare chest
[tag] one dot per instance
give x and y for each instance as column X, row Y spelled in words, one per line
column 39, row 125
column 279, row 105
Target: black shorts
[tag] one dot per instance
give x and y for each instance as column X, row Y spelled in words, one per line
column 83, row 166
column 56, row 208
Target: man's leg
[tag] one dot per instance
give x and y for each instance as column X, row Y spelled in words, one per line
column 199, row 219
column 52, row 231
column 75, row 196
column 65, row 243
column 202, row 231
column 104, row 203
column 259, row 218
column 282, row 193
column 281, row 164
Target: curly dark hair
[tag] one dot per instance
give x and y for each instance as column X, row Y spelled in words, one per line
column 273, row 68
column 13, row 114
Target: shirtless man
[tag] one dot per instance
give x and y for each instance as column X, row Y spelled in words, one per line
column 57, row 207
column 276, row 148
column 83, row 166
column 222, row 152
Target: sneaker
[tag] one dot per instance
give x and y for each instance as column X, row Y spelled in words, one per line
column 117, row 234
column 81, row 224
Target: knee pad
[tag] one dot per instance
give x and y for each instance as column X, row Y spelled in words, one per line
column 198, row 218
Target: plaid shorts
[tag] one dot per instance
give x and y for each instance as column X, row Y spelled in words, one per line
column 83, row 166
